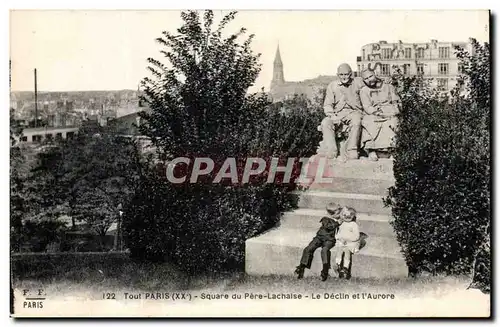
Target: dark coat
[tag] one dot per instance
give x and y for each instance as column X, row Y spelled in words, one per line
column 328, row 229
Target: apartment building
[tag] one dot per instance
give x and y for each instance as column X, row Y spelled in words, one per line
column 435, row 60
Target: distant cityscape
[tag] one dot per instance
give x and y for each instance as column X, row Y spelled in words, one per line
column 64, row 109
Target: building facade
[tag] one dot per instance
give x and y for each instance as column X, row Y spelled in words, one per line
column 433, row 60
column 41, row 134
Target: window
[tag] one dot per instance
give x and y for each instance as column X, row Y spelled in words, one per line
column 442, row 84
column 444, row 52
column 420, row 69
column 70, row 135
column 24, row 139
column 419, row 53
column 49, row 137
column 59, row 136
column 408, row 53
column 443, row 69
column 384, row 69
column 386, row 53
column 406, row 69
column 36, row 138
column 460, row 68
column 363, row 54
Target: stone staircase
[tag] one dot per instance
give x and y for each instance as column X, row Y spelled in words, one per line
column 360, row 184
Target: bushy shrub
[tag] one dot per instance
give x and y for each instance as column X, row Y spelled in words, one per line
column 201, row 227
column 37, row 235
column 441, row 198
column 204, row 226
column 200, row 108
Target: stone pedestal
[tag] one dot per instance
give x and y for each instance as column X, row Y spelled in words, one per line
column 321, row 170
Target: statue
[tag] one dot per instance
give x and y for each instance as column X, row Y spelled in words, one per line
column 342, row 125
column 381, row 105
column 376, row 52
column 398, row 51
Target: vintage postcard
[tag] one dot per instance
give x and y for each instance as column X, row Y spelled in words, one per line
column 168, row 163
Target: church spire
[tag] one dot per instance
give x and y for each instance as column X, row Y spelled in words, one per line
column 278, row 75
column 277, row 57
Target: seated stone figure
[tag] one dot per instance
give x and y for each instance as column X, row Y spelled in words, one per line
column 343, row 111
column 381, row 105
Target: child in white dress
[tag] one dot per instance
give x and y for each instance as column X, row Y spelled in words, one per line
column 348, row 241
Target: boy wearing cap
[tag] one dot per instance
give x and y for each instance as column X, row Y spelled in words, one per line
column 325, row 238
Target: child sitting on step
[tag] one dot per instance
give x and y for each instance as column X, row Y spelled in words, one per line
column 348, row 241
column 325, row 238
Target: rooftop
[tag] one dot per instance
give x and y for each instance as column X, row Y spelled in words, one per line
column 419, row 42
column 43, row 129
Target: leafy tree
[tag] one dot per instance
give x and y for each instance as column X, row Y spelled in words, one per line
column 17, row 178
column 85, row 178
column 16, row 129
column 199, row 101
column 291, row 127
column 200, row 107
column 99, row 171
column 441, row 198
column 44, row 196
column 474, row 101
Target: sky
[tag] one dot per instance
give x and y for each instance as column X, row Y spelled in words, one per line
column 77, row 50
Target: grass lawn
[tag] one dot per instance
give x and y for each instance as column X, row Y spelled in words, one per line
column 82, row 279
column 402, row 288
column 89, row 275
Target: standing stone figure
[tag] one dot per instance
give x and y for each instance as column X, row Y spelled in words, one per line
column 343, row 111
column 381, row 105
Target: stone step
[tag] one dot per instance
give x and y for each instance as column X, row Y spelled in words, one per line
column 278, row 252
column 319, row 169
column 309, row 219
column 361, row 202
column 354, row 185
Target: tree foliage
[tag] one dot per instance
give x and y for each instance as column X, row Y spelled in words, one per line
column 17, row 177
column 100, row 171
column 200, row 107
column 441, row 198
column 199, row 99
column 85, row 178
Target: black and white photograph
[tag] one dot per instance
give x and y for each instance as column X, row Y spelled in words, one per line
column 250, row 163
